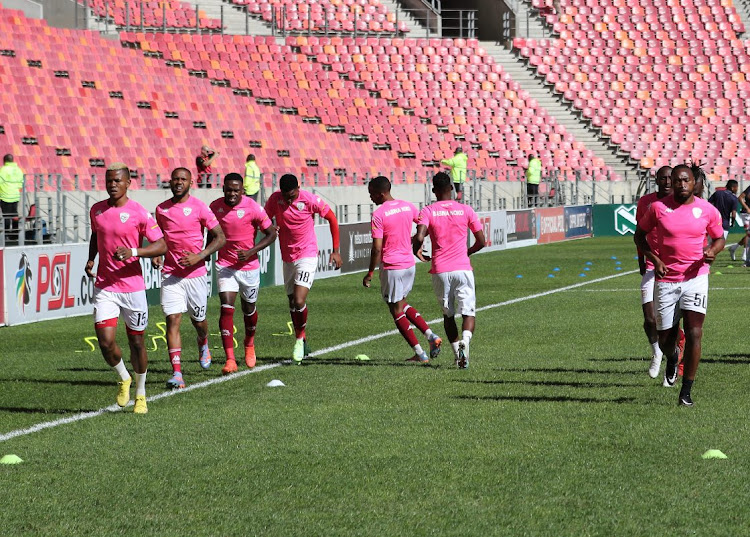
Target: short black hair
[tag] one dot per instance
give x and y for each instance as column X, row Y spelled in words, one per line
column 233, row 177
column 182, row 168
column 680, row 167
column 288, row 182
column 731, row 184
column 8, row 158
column 663, row 168
column 380, row 184
column 442, row 181
column 250, row 157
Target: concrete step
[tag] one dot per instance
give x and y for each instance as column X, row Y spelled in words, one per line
column 416, row 28
column 234, row 17
column 562, row 113
column 743, row 10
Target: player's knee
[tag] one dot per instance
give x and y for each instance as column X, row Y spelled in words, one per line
column 694, row 333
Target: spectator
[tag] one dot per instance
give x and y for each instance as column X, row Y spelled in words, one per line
column 203, row 162
column 252, row 178
column 11, row 183
column 457, row 164
column 533, row 177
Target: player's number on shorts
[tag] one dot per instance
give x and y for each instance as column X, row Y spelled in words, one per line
column 699, row 301
column 141, row 318
column 252, row 295
column 199, row 311
column 303, row 276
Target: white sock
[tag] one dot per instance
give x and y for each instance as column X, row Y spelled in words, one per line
column 140, row 383
column 429, row 333
column 418, row 349
column 747, row 251
column 466, row 335
column 122, row 370
column 454, row 345
column 656, row 349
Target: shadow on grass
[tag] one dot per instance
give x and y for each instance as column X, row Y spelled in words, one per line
column 366, row 363
column 572, row 384
column 732, row 359
column 545, row 399
column 621, row 359
column 72, row 382
column 568, row 370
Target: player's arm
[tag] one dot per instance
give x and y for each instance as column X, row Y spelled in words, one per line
column 479, row 242
column 270, row 236
column 641, row 243
column 93, row 251
column 376, row 254
column 154, row 249
column 211, row 158
column 333, row 223
column 716, row 232
column 218, row 240
column 742, row 201
column 417, row 241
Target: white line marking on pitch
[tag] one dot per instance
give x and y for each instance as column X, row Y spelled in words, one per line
column 114, row 408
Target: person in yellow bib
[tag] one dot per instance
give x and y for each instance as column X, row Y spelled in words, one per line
column 252, row 178
column 457, row 164
column 11, row 184
column 533, row 178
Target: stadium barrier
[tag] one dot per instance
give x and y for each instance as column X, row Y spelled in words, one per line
column 50, row 282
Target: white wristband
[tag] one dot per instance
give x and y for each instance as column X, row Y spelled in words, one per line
column 134, row 252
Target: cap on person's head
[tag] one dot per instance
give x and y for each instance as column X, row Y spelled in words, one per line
column 233, row 177
column 288, row 182
column 8, row 158
column 250, row 157
column 119, row 166
column 442, row 181
column 379, row 184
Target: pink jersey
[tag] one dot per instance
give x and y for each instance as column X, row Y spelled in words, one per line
column 296, row 225
column 392, row 222
column 121, row 226
column 240, row 225
column 681, row 235
column 183, row 224
column 643, row 204
column 447, row 222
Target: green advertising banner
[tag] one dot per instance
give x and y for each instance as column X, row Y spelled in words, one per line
column 614, row 220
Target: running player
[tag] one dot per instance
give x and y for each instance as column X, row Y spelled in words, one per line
column 294, row 210
column 664, row 188
column 447, row 222
column 184, row 287
column 391, row 251
column 238, row 268
column 681, row 267
column 744, row 201
column 118, row 226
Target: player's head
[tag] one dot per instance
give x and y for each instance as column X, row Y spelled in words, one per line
column 700, row 179
column 442, row 186
column 117, row 180
column 233, row 189
column 664, row 180
column 289, row 187
column 733, row 186
column 250, row 157
column 683, row 182
column 180, row 181
column 379, row 189
column 7, row 158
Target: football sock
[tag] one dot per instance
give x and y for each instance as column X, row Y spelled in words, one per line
column 418, row 349
column 140, row 383
column 687, row 385
column 747, row 252
column 454, row 346
column 417, row 320
column 466, row 335
column 655, row 348
column 226, row 327
column 251, row 323
column 122, row 370
column 174, row 358
column 299, row 321
column 404, row 327
column 202, row 341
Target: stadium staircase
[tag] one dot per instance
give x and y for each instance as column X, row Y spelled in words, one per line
column 415, row 28
column 235, row 20
column 743, row 10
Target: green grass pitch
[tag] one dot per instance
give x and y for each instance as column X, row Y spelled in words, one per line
column 555, row 429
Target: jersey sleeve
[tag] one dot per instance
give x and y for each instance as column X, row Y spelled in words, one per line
column 270, row 206
column 414, row 213
column 474, row 223
column 262, row 221
column 715, row 228
column 151, row 229
column 640, row 210
column 377, row 226
column 92, row 219
column 424, row 217
column 319, row 206
column 648, row 221
column 208, row 218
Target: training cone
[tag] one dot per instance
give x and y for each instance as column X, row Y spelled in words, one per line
column 582, row 275
column 556, row 269
column 550, row 275
column 362, row 357
column 519, row 276
column 717, row 272
column 714, row 454
column 11, row 459
column 275, row 383
column 730, row 266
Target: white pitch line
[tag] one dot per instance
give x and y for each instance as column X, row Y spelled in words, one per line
column 217, row 380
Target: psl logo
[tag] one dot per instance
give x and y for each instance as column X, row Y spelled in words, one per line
column 54, row 278
column 625, row 220
column 23, row 283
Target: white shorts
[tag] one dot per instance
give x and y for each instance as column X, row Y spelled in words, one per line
column 745, row 219
column 300, row 272
column 395, row 285
column 180, row 295
column 133, row 306
column 673, row 297
column 455, row 292
column 647, row 287
column 232, row 280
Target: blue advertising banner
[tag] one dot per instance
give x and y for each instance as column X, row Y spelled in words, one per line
column 578, row 221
